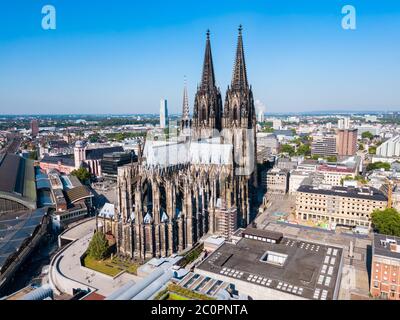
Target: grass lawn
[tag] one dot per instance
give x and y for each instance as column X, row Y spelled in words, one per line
column 174, row 296
column 103, row 266
column 110, row 267
column 129, row 267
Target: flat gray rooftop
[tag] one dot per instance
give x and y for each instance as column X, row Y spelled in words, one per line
column 383, row 248
column 310, row 269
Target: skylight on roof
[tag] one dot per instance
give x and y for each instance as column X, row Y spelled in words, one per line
column 274, row 258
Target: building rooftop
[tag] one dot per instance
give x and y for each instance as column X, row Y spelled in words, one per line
column 78, row 193
column 277, row 236
column 15, row 228
column 18, row 179
column 97, row 154
column 58, row 144
column 367, row 193
column 65, row 160
column 336, row 168
column 288, row 133
column 386, row 246
column 306, row 269
column 310, row 162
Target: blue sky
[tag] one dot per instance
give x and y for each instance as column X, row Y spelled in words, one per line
column 124, row 56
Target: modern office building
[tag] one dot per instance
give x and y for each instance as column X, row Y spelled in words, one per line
column 112, row 161
column 346, row 142
column 324, row 145
column 34, row 128
column 339, row 205
column 385, row 267
column 266, row 265
column 390, row 148
column 163, row 114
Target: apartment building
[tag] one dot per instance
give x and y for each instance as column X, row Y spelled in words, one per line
column 339, row 205
column 385, row 267
column 334, row 173
column 277, row 181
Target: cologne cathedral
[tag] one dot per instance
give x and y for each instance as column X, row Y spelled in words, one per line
column 201, row 181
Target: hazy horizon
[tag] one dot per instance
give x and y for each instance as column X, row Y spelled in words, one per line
column 122, row 58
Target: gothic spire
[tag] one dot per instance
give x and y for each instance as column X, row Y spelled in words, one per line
column 185, row 106
column 208, row 78
column 239, row 78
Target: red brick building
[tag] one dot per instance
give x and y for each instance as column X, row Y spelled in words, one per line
column 385, row 267
column 346, row 142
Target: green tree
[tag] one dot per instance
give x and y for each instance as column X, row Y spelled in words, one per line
column 304, row 150
column 82, row 174
column 372, row 150
column 378, row 165
column 361, row 147
column 367, row 135
column 331, row 159
column 297, row 141
column 386, row 221
column 98, row 246
column 94, row 138
column 287, row 148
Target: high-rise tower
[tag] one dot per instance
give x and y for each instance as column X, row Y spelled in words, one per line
column 163, row 114
column 207, row 111
column 239, row 111
column 239, row 129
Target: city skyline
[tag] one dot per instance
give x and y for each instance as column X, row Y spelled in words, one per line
column 102, row 59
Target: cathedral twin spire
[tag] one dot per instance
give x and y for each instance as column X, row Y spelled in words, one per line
column 207, row 113
column 208, row 77
column 239, row 78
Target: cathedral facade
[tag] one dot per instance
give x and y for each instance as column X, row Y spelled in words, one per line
column 181, row 189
